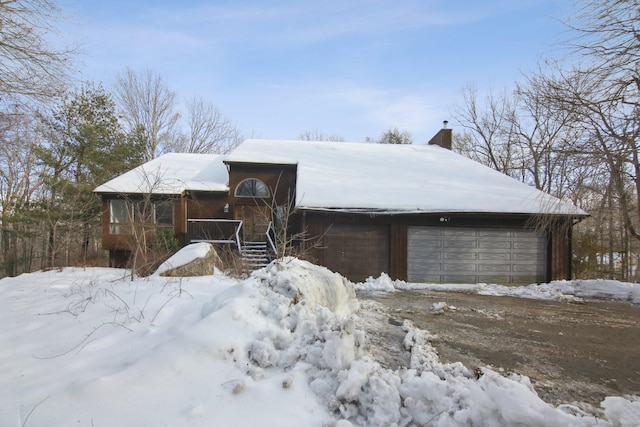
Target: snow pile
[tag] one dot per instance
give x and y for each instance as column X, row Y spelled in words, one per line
column 560, row 290
column 91, row 347
column 384, row 283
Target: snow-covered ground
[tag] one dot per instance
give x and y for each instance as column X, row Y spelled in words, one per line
column 91, row 347
column 560, row 290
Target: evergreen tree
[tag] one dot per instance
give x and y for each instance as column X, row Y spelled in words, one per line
column 84, row 145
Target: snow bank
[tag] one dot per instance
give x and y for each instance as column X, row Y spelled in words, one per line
column 310, row 285
column 90, row 347
column 561, row 290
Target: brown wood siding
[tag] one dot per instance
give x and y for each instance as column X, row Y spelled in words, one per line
column 207, row 206
column 398, row 252
column 281, row 180
column 357, row 251
column 560, row 264
column 312, row 245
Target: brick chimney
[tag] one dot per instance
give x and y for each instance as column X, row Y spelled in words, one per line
column 443, row 138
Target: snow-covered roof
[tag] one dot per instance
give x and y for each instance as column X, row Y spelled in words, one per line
column 354, row 177
column 172, row 173
column 402, row 178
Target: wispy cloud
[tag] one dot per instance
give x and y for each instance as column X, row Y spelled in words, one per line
column 383, row 109
column 288, row 23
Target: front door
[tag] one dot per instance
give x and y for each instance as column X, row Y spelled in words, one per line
column 255, row 221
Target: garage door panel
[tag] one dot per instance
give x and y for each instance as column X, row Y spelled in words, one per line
column 526, row 256
column 425, row 265
column 459, row 232
column 523, row 244
column 494, row 244
column 494, row 256
column 505, row 279
column 429, row 278
column 433, row 256
column 495, row 233
column 460, row 256
column 506, row 256
column 459, row 267
column 494, row 268
column 455, row 278
column 425, row 243
column 459, row 244
column 529, row 268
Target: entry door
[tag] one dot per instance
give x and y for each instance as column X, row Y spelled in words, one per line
column 255, row 221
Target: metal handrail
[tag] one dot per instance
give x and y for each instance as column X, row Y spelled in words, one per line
column 273, row 246
column 238, row 237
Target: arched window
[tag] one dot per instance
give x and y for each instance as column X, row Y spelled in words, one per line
column 252, row 187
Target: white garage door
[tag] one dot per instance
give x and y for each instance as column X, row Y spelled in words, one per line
column 476, row 255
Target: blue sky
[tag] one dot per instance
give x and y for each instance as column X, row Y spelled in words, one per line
column 351, row 67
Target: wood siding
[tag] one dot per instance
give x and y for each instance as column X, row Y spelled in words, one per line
column 561, row 254
column 357, row 251
column 281, row 180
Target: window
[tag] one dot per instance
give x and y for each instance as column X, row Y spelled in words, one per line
column 252, row 188
column 164, row 213
column 120, row 216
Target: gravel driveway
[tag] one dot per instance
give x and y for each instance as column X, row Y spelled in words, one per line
column 571, row 352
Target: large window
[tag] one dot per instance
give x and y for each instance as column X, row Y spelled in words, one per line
column 120, row 216
column 252, row 188
column 123, row 213
column 163, row 212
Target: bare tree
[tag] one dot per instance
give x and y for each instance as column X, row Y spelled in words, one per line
column 605, row 93
column 543, row 134
column 318, row 135
column 392, row 136
column 29, row 64
column 486, row 138
column 574, row 132
column 208, row 131
column 606, row 34
column 19, row 181
column 148, row 108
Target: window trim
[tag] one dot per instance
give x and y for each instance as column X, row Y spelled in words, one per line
column 128, row 214
column 258, row 184
column 120, row 225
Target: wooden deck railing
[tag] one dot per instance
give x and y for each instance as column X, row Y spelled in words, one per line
column 219, row 231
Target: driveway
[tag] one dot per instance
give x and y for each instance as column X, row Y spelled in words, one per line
column 571, row 352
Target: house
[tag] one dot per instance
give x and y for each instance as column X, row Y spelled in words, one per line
column 420, row 213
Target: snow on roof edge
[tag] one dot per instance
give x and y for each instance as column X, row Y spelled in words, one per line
column 382, row 211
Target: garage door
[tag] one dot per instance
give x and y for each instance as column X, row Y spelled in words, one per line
column 473, row 255
column 357, row 251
